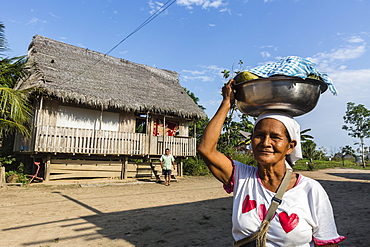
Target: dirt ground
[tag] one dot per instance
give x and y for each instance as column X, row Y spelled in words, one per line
column 192, row 212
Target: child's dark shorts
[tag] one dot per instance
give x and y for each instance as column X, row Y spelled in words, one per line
column 166, row 172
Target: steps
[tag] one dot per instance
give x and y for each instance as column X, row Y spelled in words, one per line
column 152, row 168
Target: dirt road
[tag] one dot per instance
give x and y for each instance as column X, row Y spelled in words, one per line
column 193, row 212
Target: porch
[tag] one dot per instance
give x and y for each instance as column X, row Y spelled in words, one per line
column 55, row 139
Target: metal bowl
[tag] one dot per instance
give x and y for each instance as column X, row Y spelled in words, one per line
column 293, row 95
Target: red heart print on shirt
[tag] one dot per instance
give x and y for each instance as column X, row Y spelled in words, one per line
column 248, row 205
column 262, row 211
column 288, row 222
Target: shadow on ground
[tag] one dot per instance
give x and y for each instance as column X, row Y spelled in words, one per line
column 351, row 207
column 193, row 220
column 360, row 176
column 200, row 222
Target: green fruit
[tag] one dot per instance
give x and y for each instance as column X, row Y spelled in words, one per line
column 245, row 76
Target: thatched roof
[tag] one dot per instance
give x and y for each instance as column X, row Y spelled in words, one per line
column 79, row 75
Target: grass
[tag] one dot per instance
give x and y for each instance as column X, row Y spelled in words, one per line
column 324, row 164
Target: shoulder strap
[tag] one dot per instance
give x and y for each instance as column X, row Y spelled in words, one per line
column 277, row 199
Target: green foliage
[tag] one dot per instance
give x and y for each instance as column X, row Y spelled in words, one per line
column 22, row 178
column 20, row 171
column 15, row 109
column 347, row 150
column 7, row 160
column 194, row 98
column 195, row 166
column 304, row 136
column 357, row 121
column 310, row 152
column 231, row 136
column 199, row 125
column 227, row 74
column 324, row 164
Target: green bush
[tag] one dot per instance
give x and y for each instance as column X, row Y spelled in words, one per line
column 22, row 178
column 195, row 166
column 20, row 169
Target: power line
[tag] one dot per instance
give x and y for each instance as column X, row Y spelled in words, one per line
column 154, row 15
column 147, row 21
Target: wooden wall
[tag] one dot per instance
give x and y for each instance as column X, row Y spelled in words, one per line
column 47, row 137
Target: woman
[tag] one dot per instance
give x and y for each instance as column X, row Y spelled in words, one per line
column 304, row 217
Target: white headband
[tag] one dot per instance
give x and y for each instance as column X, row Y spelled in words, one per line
column 293, row 129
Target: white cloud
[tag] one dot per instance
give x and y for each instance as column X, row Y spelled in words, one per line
column 198, row 78
column 333, row 60
column 352, row 84
column 35, row 21
column 214, row 68
column 265, row 54
column 207, row 74
column 212, row 25
column 54, row 16
column 355, row 39
column 193, row 72
column 344, row 53
column 203, row 3
column 155, row 6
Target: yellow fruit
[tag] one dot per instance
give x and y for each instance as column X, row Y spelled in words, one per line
column 245, row 76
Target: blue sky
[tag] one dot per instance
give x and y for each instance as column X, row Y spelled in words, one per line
column 200, row 38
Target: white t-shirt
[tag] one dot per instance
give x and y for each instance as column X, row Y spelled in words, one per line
column 304, row 216
column 167, row 161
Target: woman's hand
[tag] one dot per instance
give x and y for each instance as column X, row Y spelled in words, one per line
column 228, row 92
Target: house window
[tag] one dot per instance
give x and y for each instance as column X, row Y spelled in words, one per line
column 171, row 128
column 140, row 126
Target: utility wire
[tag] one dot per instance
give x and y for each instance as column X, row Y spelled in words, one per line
column 147, row 21
column 154, row 15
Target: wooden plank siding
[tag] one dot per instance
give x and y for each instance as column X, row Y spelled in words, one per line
column 51, row 139
column 69, row 169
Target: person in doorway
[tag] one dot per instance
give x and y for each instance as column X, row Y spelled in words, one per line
column 167, row 161
column 303, row 216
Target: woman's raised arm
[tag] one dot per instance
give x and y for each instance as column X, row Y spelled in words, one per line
column 218, row 163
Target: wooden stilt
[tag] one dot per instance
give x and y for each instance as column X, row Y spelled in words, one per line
column 47, row 168
column 124, row 168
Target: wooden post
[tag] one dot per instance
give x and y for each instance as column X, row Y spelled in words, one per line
column 2, row 176
column 47, row 168
column 195, row 129
column 148, row 134
column 180, row 168
column 124, row 168
column 164, row 135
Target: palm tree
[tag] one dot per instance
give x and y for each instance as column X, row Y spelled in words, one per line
column 14, row 105
column 309, row 151
column 304, row 136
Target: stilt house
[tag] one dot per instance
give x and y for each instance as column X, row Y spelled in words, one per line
column 94, row 114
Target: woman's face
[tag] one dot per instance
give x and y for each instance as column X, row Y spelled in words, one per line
column 270, row 142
